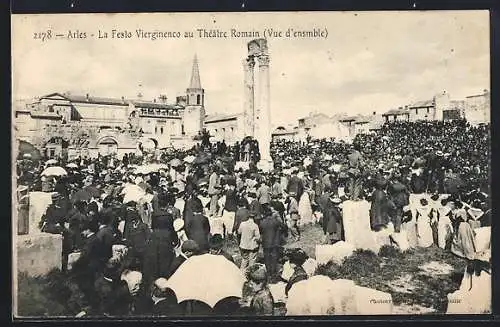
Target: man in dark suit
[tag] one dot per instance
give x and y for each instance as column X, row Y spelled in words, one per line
column 241, row 215
column 198, row 228
column 295, row 185
column 254, row 206
column 86, row 268
column 106, row 238
column 271, row 228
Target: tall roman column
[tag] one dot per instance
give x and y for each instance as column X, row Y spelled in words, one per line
column 249, row 105
column 263, row 119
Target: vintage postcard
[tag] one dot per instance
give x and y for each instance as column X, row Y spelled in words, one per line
column 170, row 165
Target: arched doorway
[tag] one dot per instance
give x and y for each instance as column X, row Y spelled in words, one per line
column 107, row 146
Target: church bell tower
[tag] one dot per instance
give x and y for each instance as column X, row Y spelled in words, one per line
column 194, row 113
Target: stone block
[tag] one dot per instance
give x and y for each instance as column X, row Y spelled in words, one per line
column 473, row 296
column 372, row 302
column 37, row 254
column 38, row 204
column 335, row 252
column 343, row 300
column 400, row 240
column 482, row 239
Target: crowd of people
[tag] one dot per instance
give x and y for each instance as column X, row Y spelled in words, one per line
column 195, row 206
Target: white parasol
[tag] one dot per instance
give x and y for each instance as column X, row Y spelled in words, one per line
column 132, row 192
column 54, row 171
column 224, row 280
column 72, row 165
column 189, row 159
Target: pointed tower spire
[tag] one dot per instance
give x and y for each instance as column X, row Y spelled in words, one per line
column 195, row 75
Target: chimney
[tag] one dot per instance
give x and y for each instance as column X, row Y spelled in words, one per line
column 374, row 113
column 87, row 97
column 123, row 99
column 400, row 108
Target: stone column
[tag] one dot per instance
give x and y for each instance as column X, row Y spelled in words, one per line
column 249, row 106
column 263, row 118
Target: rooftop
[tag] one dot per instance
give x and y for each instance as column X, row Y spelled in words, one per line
column 111, row 101
column 424, row 103
column 396, row 112
column 217, row 117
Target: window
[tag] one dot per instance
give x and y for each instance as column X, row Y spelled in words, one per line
column 198, row 99
column 428, row 110
column 161, row 130
column 156, row 130
column 51, row 109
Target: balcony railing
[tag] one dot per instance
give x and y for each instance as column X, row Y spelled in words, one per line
column 159, row 113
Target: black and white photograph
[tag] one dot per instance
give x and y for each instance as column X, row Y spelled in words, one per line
column 177, row 165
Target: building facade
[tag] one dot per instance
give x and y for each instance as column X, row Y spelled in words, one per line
column 477, row 108
column 225, row 127
column 63, row 123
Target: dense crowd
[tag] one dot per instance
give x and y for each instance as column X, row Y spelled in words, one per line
column 190, row 203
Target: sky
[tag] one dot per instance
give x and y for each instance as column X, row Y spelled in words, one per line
column 369, row 61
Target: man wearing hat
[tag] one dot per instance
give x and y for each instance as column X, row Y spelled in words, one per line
column 379, row 214
column 54, row 218
column 400, row 196
column 297, row 258
column 293, row 214
column 332, row 220
column 295, row 185
column 254, row 205
column 163, row 300
column 272, row 231
column 258, row 299
column 198, row 228
column 241, row 215
column 249, row 240
column 188, row 249
column 214, row 191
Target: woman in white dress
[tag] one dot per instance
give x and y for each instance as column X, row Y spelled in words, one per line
column 424, row 229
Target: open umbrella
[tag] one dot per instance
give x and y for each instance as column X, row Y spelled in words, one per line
column 189, row 159
column 175, row 162
column 317, row 296
column 51, row 162
column 224, row 280
column 72, row 165
column 132, row 192
column 54, row 171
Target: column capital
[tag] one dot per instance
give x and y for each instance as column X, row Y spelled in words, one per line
column 249, row 62
column 263, row 60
